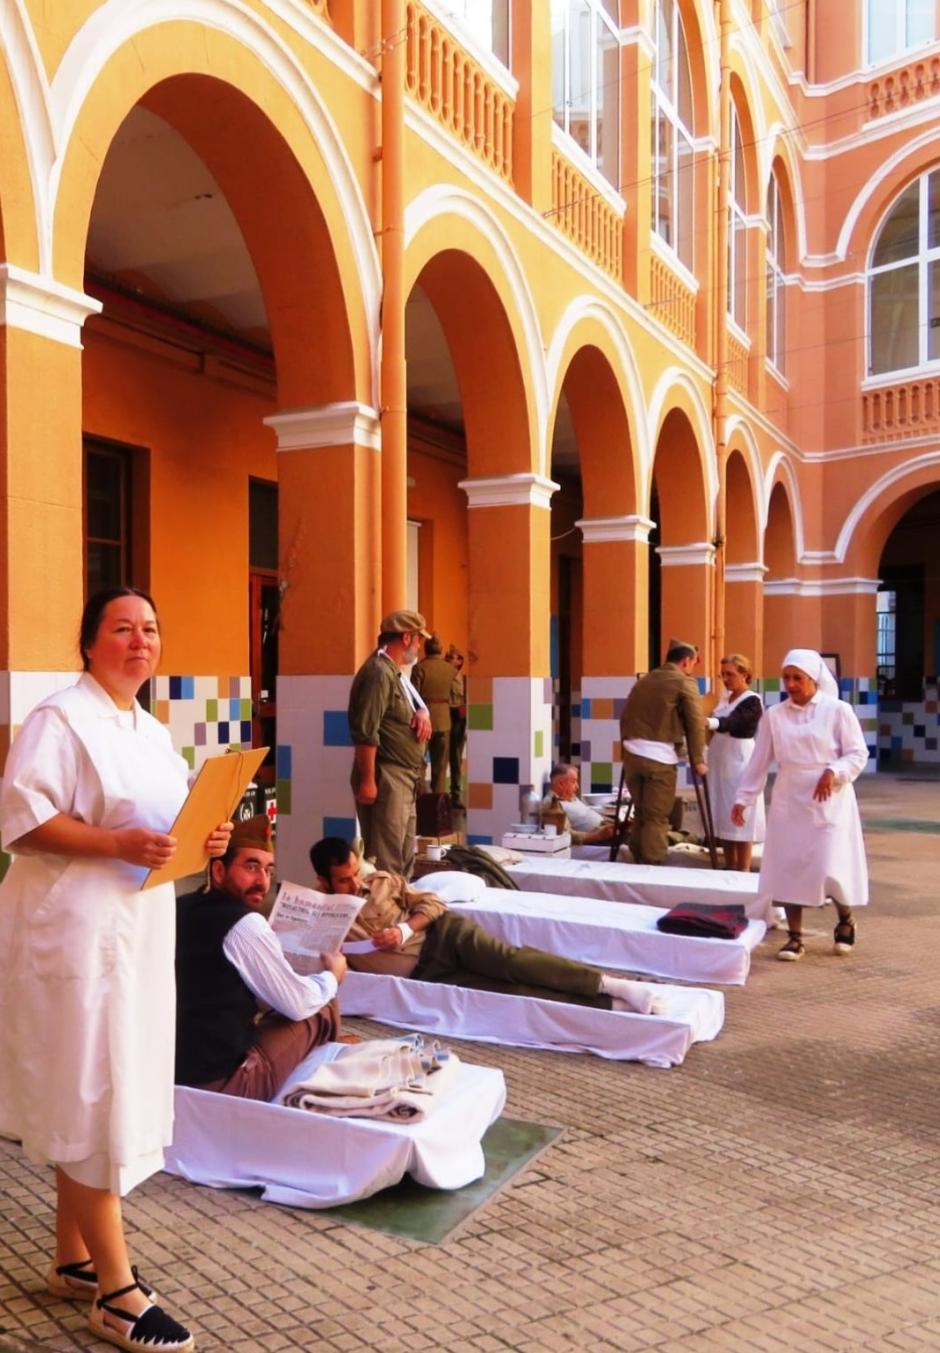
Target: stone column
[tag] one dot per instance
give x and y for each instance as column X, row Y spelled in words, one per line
column 41, row 508
column 615, row 560
column 744, row 609
column 330, row 570
column 687, row 593
column 509, row 719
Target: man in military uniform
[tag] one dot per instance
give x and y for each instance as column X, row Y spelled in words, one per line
column 663, row 710
column 390, row 726
column 440, row 687
column 458, row 722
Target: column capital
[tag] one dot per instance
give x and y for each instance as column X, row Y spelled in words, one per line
column 821, row 587
column 509, row 490
column 745, row 573
column 701, row 552
column 339, row 424
column 596, row 530
column 42, row 306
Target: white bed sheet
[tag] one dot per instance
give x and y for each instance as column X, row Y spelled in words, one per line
column 524, row 1022
column 611, row 935
column 302, row 1159
column 650, row 884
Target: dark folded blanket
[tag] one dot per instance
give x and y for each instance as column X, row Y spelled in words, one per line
column 699, row 918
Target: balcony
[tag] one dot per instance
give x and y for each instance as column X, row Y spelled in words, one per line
column 582, row 212
column 456, row 91
column 908, row 409
column 903, row 87
column 737, row 363
column 671, row 301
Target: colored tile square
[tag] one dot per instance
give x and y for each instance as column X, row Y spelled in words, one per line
column 234, row 709
column 931, row 744
column 176, row 687
column 616, row 751
column 283, row 797
column 538, row 742
column 223, row 732
column 246, row 732
column 187, row 687
column 602, row 776
column 475, row 839
column 586, row 708
column 245, row 711
column 234, row 687
column 576, row 711
column 336, row 729
column 479, row 795
column 212, row 711
column 505, row 770
column 920, row 730
column 480, row 717
column 602, row 708
column 339, row 826
column 161, row 711
column 585, row 751
column 199, row 734
column 283, row 760
column 189, row 756
column 619, row 704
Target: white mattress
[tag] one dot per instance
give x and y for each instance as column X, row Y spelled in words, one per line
column 686, row 856
column 650, row 884
column 302, row 1159
column 696, row 1015
column 610, row 935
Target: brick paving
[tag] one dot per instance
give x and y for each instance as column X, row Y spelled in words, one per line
column 780, row 1191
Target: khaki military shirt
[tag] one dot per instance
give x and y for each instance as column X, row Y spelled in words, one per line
column 380, row 714
column 387, row 900
column 665, row 706
column 440, row 688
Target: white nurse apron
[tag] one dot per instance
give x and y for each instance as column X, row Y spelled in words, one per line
column 727, row 759
column 87, row 1013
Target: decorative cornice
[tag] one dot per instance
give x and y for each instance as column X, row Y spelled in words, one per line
column 42, row 306
column 597, row 530
column 702, row 552
column 510, row 490
column 745, row 573
column 340, row 424
column 821, row 587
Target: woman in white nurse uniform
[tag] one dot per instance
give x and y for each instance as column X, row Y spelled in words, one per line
column 91, row 786
column 814, row 849
column 734, row 723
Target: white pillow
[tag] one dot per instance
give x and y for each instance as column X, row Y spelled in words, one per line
column 450, row 885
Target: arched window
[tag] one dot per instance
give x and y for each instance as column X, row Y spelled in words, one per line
column 895, row 26
column 776, row 295
column 904, row 281
column 673, row 186
column 586, row 79
column 737, row 229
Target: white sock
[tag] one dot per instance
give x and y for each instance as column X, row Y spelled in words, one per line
column 627, row 995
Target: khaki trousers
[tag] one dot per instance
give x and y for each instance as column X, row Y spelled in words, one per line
column 652, row 787
column 388, row 825
column 438, row 748
column 460, row 952
column 281, row 1045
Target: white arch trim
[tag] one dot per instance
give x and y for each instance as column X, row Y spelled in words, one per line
column 589, row 308
column 873, row 185
column 31, row 92
column 53, row 109
column 875, row 491
column 779, row 461
column 672, row 379
column 444, row 200
column 778, row 147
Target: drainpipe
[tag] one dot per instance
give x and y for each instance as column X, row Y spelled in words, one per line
column 394, row 396
column 720, row 390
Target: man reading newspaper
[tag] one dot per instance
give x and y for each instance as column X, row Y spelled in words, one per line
column 245, row 1017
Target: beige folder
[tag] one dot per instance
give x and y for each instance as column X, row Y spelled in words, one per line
column 216, row 792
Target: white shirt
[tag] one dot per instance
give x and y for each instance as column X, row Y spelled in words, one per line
column 581, row 815
column 252, row 948
column 664, row 752
column 412, row 694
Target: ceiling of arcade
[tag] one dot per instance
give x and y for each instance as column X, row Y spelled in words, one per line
column 163, row 236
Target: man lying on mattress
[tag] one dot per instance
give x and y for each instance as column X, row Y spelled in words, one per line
column 229, row 966
column 414, row 935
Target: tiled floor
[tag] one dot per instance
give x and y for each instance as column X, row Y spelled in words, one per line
column 780, row 1191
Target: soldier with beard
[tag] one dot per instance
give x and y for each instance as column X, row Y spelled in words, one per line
column 244, row 1018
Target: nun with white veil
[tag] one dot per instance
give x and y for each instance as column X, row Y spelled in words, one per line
column 814, row 849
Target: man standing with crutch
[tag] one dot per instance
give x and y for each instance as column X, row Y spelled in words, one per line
column 663, row 710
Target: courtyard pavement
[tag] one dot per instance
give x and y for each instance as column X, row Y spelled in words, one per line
column 780, row 1191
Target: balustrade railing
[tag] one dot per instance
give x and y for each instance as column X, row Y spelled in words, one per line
column 901, row 88
column 450, row 85
column 671, row 300
column 908, row 409
column 582, row 213
column 737, row 364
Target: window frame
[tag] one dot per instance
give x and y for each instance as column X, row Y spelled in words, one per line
column 901, row 45
column 925, row 256
column 599, row 14
column 666, row 102
column 776, row 336
column 737, row 220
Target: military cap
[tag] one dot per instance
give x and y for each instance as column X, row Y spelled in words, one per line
column 405, row 622
column 255, row 833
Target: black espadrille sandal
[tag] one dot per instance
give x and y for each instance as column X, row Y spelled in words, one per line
column 153, row 1331
column 79, row 1281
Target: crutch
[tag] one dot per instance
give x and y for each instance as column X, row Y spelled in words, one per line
column 621, row 816
column 703, row 799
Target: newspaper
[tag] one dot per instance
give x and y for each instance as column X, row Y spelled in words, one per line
column 308, row 924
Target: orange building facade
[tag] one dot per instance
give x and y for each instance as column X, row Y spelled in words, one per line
column 577, row 324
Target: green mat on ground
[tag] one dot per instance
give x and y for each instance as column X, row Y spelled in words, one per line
column 900, row 824
column 430, row 1215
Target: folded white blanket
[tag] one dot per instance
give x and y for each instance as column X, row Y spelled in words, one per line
column 388, row 1078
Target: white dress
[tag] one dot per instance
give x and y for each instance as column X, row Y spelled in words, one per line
column 87, row 1004
column 814, row 850
column 727, row 758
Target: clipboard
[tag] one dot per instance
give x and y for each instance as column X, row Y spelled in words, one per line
column 215, row 793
